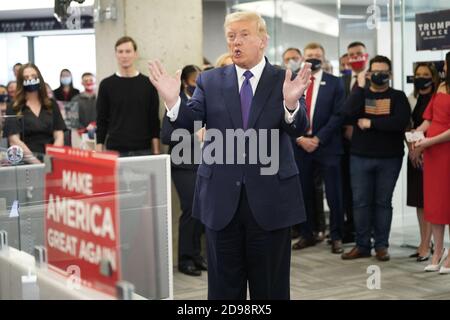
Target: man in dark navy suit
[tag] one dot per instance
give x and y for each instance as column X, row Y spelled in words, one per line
column 321, row 148
column 247, row 211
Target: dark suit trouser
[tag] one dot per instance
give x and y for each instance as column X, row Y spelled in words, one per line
column 190, row 229
column 320, row 220
column 320, row 223
column 347, row 193
column 330, row 169
column 243, row 252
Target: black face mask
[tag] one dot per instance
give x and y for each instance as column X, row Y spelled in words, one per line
column 4, row 98
column 422, row 83
column 31, row 88
column 31, row 85
column 380, row 78
column 316, row 64
column 190, row 90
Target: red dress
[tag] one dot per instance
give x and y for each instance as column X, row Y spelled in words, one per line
column 436, row 163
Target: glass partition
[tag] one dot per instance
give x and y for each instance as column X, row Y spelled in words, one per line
column 407, row 55
column 386, row 27
column 144, row 207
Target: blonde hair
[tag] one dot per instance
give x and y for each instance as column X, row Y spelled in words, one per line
column 221, row 61
column 314, row 45
column 247, row 16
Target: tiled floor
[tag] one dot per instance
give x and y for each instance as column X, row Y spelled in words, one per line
column 318, row 274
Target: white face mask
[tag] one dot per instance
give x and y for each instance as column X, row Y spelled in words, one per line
column 66, row 81
column 294, row 65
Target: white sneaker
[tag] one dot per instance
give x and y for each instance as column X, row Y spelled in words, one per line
column 432, row 268
column 437, row 267
column 444, row 270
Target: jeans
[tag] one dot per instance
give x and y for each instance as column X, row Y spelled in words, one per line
column 373, row 182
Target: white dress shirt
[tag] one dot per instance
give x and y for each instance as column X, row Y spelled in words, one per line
column 257, row 73
column 353, row 79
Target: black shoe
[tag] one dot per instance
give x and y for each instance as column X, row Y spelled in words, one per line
column 422, row 259
column 201, row 264
column 348, row 238
column 295, row 234
column 414, row 255
column 304, row 243
column 190, row 270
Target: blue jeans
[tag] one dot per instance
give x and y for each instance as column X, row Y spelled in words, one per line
column 373, row 182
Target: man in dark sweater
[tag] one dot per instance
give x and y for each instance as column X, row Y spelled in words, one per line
column 128, row 108
column 381, row 115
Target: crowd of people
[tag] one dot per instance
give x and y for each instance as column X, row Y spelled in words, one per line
column 351, row 153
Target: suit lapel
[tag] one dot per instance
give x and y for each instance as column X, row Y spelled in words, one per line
column 265, row 87
column 230, row 93
column 348, row 81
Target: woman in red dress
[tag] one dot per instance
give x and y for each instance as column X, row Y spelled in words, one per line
column 436, row 169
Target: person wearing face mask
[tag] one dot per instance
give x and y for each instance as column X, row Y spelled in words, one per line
column 344, row 66
column 426, row 82
column 12, row 88
column 38, row 120
column 66, row 91
column 436, row 169
column 357, row 58
column 318, row 152
column 85, row 103
column 189, row 75
column 190, row 261
column 4, row 99
column 292, row 59
column 380, row 115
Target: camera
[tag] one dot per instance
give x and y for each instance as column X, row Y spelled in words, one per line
column 61, row 7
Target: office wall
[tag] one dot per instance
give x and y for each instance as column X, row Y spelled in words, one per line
column 167, row 30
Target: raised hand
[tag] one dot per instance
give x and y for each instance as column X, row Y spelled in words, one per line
column 294, row 89
column 362, row 78
column 168, row 87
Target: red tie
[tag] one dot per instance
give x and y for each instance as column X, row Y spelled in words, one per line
column 309, row 95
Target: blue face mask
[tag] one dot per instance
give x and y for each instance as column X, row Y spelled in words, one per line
column 4, row 98
column 190, row 90
column 66, row 81
column 346, row 72
column 32, row 85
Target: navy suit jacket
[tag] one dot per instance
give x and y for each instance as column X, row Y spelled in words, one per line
column 275, row 200
column 328, row 117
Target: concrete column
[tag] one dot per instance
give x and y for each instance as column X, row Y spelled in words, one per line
column 167, row 30
column 170, row 31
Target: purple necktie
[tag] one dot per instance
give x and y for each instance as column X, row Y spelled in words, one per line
column 246, row 98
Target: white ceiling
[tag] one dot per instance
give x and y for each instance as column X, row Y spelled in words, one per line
column 28, row 9
column 44, row 8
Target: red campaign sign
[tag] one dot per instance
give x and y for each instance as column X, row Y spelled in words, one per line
column 82, row 216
